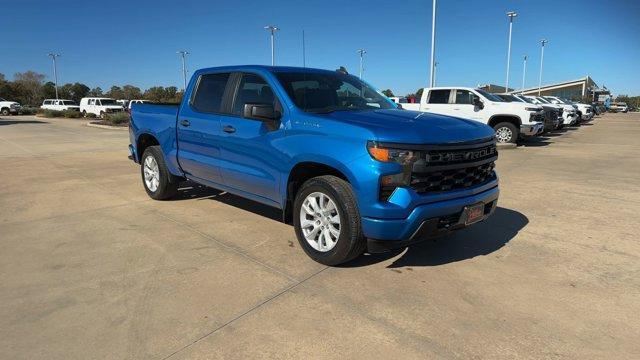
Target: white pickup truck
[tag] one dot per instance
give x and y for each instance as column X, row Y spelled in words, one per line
column 9, row 107
column 510, row 120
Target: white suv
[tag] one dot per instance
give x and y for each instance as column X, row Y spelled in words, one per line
column 570, row 110
column 99, row 106
column 9, row 107
column 59, row 105
column 510, row 120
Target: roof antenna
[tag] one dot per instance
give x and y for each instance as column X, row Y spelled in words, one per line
column 304, row 53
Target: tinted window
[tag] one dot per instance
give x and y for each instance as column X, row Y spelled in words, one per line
column 323, row 92
column 439, row 96
column 464, row 97
column 252, row 90
column 208, row 95
column 47, row 102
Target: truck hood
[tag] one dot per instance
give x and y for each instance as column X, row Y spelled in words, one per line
column 414, row 127
column 519, row 106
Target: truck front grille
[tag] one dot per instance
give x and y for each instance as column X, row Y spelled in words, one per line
column 447, row 168
column 453, row 179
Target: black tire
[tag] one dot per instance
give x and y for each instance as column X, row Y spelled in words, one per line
column 84, row 113
column 102, row 115
column 5, row 112
column 351, row 243
column 167, row 184
column 512, row 129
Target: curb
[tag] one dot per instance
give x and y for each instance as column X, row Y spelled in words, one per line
column 503, row 146
column 107, row 127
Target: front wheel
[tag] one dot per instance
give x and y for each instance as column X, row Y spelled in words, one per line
column 156, row 178
column 506, row 132
column 5, row 112
column 84, row 113
column 327, row 221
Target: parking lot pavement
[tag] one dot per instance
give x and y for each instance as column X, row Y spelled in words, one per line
column 92, row 268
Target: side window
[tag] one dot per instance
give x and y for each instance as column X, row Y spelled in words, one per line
column 439, row 96
column 253, row 89
column 92, row 101
column 98, row 102
column 47, row 102
column 464, row 97
column 208, row 95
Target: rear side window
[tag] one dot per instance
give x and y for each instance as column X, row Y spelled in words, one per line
column 208, row 95
column 439, row 96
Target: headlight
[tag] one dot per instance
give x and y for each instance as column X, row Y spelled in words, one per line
column 405, row 158
column 384, row 154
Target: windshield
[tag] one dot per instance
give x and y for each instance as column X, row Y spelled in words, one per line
column 509, row 98
column 69, row 102
column 543, row 100
column 525, row 99
column 326, row 92
column 489, row 96
column 108, row 102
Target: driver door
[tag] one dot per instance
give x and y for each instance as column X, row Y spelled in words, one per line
column 464, row 105
column 252, row 162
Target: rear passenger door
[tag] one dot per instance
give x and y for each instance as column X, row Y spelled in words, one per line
column 252, row 164
column 198, row 128
column 437, row 102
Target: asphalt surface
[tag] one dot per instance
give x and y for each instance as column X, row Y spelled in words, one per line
column 90, row 267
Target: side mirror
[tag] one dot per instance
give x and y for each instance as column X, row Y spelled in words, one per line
column 478, row 103
column 262, row 112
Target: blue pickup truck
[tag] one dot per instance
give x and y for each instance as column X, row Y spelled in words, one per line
column 350, row 170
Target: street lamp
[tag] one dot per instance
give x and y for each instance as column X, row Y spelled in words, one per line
column 273, row 30
column 361, row 52
column 432, row 76
column 55, row 71
column 183, row 54
column 524, row 70
column 542, row 42
column 435, row 68
column 511, row 15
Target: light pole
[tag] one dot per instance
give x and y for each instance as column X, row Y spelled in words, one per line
column 432, row 76
column 511, row 15
column 361, row 52
column 435, row 68
column 542, row 42
column 55, row 71
column 273, row 30
column 524, row 70
column 184, row 54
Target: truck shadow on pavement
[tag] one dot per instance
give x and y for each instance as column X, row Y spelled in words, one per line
column 478, row 240
column 15, row 122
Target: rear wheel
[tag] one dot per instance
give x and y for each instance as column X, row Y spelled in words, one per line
column 102, row 116
column 84, row 113
column 506, row 132
column 156, row 178
column 327, row 221
column 5, row 112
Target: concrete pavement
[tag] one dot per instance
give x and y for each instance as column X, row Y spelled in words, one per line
column 90, row 267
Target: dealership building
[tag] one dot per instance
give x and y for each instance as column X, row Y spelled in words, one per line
column 575, row 90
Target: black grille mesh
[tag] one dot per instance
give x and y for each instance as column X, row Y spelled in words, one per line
column 452, row 179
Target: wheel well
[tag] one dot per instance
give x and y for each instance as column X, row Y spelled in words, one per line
column 144, row 141
column 301, row 173
column 495, row 120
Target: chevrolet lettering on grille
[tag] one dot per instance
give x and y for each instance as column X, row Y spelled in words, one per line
column 460, row 155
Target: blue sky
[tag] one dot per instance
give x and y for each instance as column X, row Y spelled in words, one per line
column 135, row 42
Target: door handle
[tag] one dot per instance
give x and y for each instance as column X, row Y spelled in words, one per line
column 229, row 129
column 185, row 123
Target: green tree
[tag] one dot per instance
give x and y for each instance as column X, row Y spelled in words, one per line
column 388, row 93
column 77, row 91
column 95, row 92
column 115, row 92
column 131, row 92
column 30, row 85
column 49, row 90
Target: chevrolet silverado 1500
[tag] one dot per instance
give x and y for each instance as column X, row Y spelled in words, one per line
column 350, row 170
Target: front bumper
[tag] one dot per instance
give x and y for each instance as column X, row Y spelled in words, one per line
column 427, row 220
column 531, row 129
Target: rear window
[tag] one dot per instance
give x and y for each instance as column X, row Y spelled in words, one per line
column 439, row 96
column 208, row 95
